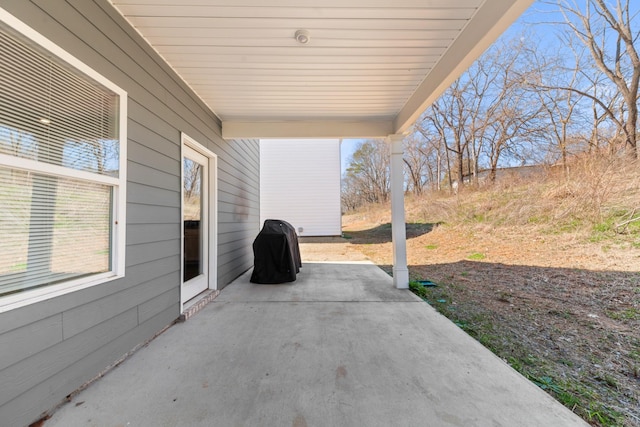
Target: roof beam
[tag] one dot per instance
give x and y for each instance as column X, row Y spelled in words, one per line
column 306, row 129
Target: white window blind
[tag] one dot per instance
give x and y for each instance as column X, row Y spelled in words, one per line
column 59, row 169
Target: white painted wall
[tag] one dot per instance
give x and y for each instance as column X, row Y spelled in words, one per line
column 300, row 184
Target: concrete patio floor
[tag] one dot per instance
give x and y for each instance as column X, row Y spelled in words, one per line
column 338, row 347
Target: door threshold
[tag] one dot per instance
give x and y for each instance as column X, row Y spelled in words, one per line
column 197, row 303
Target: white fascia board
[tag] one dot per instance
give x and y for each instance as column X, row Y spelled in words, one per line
column 489, row 22
column 306, row 129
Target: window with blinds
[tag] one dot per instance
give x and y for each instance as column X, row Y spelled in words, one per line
column 61, row 171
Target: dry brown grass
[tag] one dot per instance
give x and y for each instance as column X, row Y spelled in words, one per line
column 593, row 191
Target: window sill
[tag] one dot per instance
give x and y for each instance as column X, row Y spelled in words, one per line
column 22, row 299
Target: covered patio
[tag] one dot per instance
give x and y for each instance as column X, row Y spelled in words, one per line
column 338, row 347
column 342, row 69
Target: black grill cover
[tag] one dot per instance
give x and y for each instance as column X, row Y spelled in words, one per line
column 276, row 255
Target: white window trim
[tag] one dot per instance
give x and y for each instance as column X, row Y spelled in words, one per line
column 21, row 299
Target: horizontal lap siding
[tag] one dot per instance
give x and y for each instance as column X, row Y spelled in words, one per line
column 51, row 348
column 238, row 209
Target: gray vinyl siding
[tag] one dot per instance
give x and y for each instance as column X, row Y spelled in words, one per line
column 49, row 349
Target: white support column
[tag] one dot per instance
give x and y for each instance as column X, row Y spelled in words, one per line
column 398, row 226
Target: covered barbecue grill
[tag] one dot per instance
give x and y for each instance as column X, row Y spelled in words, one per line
column 276, row 253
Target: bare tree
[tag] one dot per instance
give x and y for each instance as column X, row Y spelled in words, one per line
column 512, row 116
column 433, row 150
column 433, row 130
column 17, row 143
column 606, row 30
column 482, row 79
column 368, row 174
column 600, row 134
column 192, row 178
column 448, row 118
column 349, row 193
column 548, row 77
column 486, row 113
column 416, row 160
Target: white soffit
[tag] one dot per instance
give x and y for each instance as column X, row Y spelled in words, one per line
column 369, row 70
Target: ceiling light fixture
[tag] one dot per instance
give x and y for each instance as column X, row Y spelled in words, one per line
column 302, row 36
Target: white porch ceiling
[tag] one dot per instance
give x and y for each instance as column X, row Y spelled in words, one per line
column 369, row 70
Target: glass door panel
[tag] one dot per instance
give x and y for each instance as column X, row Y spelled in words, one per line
column 192, row 208
column 195, row 217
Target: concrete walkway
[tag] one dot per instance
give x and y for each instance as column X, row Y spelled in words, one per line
column 338, row 347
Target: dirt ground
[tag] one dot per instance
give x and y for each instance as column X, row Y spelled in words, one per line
column 562, row 310
column 329, row 249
